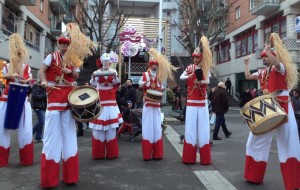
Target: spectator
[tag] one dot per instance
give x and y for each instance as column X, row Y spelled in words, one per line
column 177, row 97
column 130, row 94
column 254, row 93
column 245, row 97
column 220, row 107
column 39, row 105
column 139, row 98
column 228, row 86
column 291, row 93
column 296, row 106
column 2, row 87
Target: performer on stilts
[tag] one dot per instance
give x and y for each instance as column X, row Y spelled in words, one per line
column 279, row 76
column 16, row 72
column 104, row 139
column 59, row 72
column 159, row 71
column 197, row 115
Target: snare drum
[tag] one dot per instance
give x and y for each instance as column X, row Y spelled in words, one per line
column 84, row 103
column 15, row 104
column 154, row 95
column 263, row 114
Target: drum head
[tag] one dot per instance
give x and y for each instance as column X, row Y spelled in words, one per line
column 82, row 96
column 269, row 125
column 154, row 92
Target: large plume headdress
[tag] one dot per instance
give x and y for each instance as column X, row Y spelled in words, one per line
column 79, row 48
column 206, row 55
column 165, row 68
column 284, row 57
column 18, row 54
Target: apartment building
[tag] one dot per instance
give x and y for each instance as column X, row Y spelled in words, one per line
column 39, row 22
column 250, row 21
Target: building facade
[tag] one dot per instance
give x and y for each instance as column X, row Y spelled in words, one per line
column 250, row 22
column 39, row 22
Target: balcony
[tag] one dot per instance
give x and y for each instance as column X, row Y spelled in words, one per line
column 68, row 18
column 264, row 7
column 56, row 28
column 26, row 2
column 169, row 6
column 220, row 36
column 58, row 6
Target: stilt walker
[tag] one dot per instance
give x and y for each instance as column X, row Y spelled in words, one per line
column 17, row 73
column 58, row 72
column 197, row 115
column 278, row 77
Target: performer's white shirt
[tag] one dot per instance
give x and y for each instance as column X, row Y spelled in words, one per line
column 147, row 83
column 281, row 71
column 5, row 70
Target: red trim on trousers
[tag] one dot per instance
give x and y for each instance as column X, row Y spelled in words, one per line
column 71, row 170
column 4, row 154
column 26, row 155
column 98, row 149
column 195, row 104
column 254, row 171
column 291, row 173
column 189, row 154
column 205, row 155
column 58, row 108
column 152, row 150
column 49, row 173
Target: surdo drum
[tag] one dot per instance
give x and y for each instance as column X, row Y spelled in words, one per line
column 263, row 114
column 15, row 104
column 154, row 95
column 84, row 103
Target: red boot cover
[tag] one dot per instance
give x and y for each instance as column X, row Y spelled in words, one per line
column 254, row 171
column 26, row 155
column 205, row 156
column 291, row 173
column 147, row 148
column 158, row 149
column 4, row 154
column 71, row 170
column 189, row 153
column 112, row 149
column 98, row 149
column 49, row 173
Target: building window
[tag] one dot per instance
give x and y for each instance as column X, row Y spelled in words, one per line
column 41, row 5
column 276, row 25
column 251, row 4
column 246, row 42
column 9, row 21
column 32, row 36
column 223, row 53
column 237, row 13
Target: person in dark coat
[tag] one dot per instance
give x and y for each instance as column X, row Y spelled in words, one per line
column 220, row 107
column 245, row 97
column 39, row 104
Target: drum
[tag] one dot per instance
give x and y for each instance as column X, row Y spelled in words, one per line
column 84, row 103
column 154, row 95
column 263, row 114
column 15, row 104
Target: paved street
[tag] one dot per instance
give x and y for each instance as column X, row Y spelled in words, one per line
column 129, row 171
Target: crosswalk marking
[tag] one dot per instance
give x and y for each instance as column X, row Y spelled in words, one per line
column 212, row 179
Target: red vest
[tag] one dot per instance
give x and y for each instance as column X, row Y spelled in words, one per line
column 196, row 92
column 55, row 68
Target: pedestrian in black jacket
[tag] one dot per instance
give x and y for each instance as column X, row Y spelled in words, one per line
column 39, row 105
column 220, row 107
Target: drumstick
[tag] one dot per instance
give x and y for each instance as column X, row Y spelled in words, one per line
column 54, row 87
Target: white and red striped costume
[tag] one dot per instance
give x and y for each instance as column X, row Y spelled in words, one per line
column 25, row 126
column 104, row 140
column 152, row 143
column 197, row 120
column 60, row 138
column 258, row 146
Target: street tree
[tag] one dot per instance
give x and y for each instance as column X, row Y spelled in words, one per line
column 201, row 17
column 94, row 17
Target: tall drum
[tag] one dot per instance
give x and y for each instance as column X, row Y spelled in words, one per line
column 84, row 103
column 263, row 114
column 15, row 104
